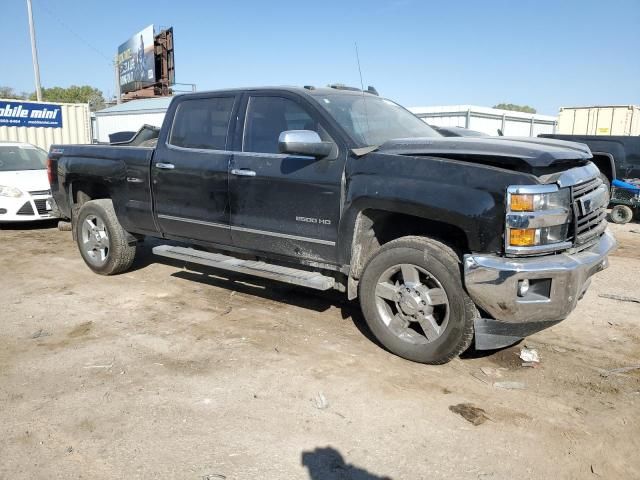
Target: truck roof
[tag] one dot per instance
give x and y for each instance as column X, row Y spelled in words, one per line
column 161, row 104
column 307, row 90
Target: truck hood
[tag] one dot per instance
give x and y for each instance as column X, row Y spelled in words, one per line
column 528, row 154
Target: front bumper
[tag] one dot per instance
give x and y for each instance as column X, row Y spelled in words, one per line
column 560, row 281
column 27, row 208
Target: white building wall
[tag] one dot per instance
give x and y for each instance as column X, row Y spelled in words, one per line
column 122, row 122
column 451, row 121
column 487, row 120
column 130, row 116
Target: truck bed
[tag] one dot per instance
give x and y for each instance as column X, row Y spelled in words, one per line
column 123, row 170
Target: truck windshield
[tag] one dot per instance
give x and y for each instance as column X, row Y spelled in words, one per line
column 14, row 158
column 373, row 120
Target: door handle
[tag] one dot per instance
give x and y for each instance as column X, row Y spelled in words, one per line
column 165, row 166
column 243, row 172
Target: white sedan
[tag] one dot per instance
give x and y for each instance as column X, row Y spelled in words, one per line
column 25, row 194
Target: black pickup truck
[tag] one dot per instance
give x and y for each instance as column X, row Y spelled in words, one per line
column 440, row 238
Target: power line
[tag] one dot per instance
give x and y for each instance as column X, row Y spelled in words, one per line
column 74, row 33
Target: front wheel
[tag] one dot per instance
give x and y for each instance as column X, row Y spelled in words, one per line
column 413, row 300
column 101, row 239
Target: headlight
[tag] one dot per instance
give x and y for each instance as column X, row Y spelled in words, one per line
column 534, row 202
column 538, row 219
column 10, row 191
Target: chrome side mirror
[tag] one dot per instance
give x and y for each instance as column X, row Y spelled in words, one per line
column 304, row 142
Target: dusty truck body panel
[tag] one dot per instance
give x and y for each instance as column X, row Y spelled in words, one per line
column 293, row 178
column 475, row 194
column 119, row 173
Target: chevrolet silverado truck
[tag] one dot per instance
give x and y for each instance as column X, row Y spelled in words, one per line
column 442, row 240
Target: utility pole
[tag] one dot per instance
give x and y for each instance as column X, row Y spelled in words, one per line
column 116, row 65
column 34, row 52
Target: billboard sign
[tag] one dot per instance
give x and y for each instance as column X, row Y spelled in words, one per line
column 136, row 61
column 28, row 114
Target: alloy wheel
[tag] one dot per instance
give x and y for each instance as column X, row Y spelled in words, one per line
column 95, row 240
column 412, row 303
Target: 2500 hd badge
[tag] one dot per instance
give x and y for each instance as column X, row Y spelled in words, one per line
column 321, row 221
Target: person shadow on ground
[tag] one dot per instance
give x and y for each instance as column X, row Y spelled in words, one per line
column 328, row 464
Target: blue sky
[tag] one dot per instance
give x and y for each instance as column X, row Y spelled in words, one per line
column 543, row 53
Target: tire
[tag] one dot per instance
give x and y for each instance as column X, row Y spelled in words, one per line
column 101, row 239
column 64, row 226
column 426, row 318
column 621, row 214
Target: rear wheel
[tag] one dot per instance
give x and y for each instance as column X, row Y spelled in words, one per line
column 101, row 239
column 621, row 214
column 413, row 300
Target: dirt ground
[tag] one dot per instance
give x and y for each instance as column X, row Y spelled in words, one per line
column 165, row 373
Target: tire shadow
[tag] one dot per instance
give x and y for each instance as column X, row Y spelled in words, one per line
column 472, row 354
column 266, row 289
column 30, row 225
column 293, row 295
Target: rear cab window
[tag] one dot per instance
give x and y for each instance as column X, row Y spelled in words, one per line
column 202, row 123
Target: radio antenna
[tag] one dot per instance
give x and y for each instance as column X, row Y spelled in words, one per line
column 359, row 69
column 364, row 100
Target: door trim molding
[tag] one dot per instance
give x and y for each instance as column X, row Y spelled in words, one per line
column 249, row 230
column 191, row 220
column 283, row 235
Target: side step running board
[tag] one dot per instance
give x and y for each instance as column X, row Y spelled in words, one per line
column 259, row 269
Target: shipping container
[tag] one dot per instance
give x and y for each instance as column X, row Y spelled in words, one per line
column 487, row 120
column 44, row 123
column 600, row 120
column 130, row 116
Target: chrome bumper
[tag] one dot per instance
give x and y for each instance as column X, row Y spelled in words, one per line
column 560, row 280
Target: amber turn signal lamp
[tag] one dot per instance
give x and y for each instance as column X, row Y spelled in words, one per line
column 521, row 203
column 522, row 237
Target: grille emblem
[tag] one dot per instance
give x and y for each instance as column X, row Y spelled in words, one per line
column 593, row 201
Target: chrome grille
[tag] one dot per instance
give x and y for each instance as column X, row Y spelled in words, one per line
column 588, row 226
column 41, row 192
column 581, row 189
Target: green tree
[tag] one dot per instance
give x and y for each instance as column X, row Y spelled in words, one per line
column 74, row 94
column 10, row 94
column 515, row 108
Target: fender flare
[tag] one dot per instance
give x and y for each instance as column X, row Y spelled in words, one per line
column 612, row 162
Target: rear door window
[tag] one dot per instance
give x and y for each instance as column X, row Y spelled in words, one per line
column 202, row 123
